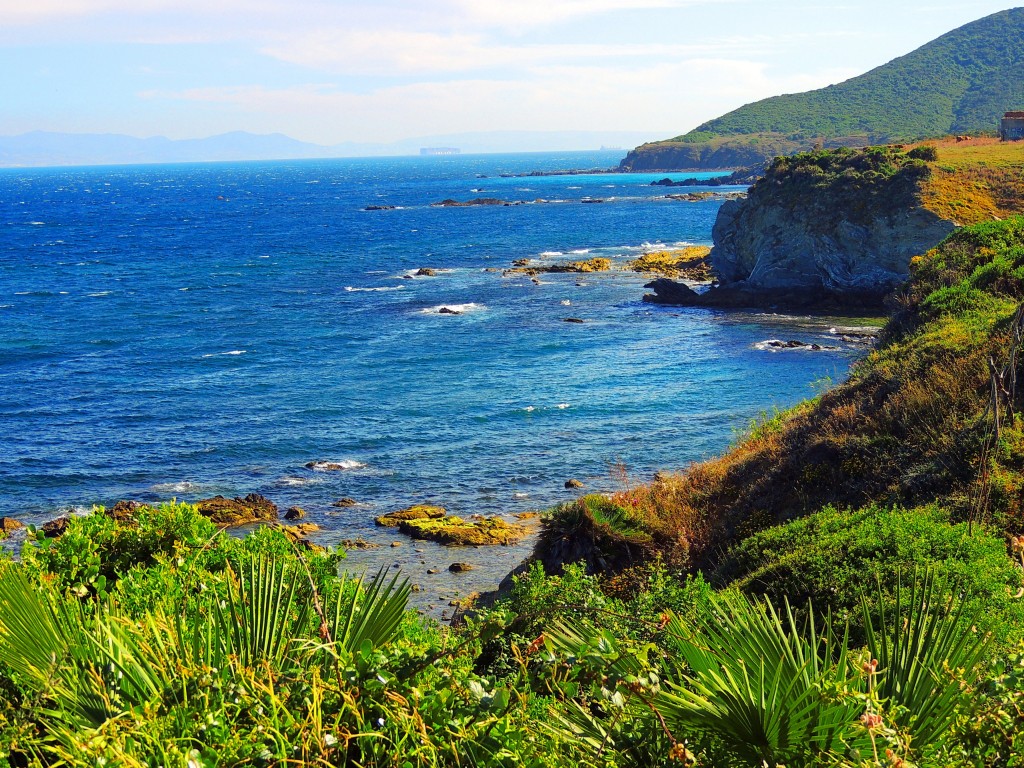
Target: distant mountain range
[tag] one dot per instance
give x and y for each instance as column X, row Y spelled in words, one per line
column 43, row 148
column 960, row 83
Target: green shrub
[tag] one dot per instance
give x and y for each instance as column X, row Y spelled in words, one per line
column 834, row 556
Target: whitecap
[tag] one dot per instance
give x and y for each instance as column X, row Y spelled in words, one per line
column 352, row 289
column 460, row 308
column 562, row 406
column 6, row 306
column 100, row 293
column 552, row 253
column 565, row 303
column 334, row 466
column 232, row 352
column 37, row 223
column 290, row 481
column 580, row 250
column 529, row 409
column 520, row 495
column 182, row 486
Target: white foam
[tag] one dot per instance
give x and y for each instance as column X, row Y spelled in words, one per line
column 37, row 223
column 351, row 289
column 100, row 293
column 520, row 495
column 529, row 409
column 580, row 250
column 182, row 486
column 232, row 352
column 460, row 308
column 552, row 253
column 334, row 466
column 6, row 306
column 290, row 481
column 565, row 303
column 562, row 406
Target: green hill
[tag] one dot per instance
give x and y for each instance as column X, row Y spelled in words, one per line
column 960, row 83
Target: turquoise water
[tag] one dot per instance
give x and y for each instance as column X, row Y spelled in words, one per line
column 200, row 329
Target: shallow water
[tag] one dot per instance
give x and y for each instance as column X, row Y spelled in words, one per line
column 182, row 331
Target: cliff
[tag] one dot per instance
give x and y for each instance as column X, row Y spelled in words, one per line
column 959, row 83
column 836, row 229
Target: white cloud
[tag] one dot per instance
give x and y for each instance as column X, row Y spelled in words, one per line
column 666, row 98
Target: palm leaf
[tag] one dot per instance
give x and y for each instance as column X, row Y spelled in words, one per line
column 927, row 649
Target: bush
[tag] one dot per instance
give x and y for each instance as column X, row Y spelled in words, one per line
column 834, row 556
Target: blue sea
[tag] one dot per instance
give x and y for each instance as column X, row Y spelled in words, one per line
column 190, row 330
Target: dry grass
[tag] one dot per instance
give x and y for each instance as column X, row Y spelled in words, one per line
column 976, row 180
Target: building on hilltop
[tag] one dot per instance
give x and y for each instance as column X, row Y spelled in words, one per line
column 1011, row 127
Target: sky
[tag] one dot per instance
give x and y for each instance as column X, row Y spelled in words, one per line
column 334, row 71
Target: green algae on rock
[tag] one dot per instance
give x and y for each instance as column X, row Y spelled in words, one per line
column 415, row 512
column 456, row 531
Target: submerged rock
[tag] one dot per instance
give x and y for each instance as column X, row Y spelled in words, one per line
column 573, row 483
column 379, row 208
column 358, row 544
column 238, row 511
column 460, row 567
column 344, row 502
column 425, row 272
column 448, row 311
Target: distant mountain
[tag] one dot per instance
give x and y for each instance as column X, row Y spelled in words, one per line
column 960, row 83
column 43, row 148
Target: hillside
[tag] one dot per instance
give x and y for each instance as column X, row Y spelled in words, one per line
column 957, row 84
column 862, row 603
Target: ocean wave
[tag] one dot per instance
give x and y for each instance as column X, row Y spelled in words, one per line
column 182, row 486
column 37, row 223
column 563, row 406
column 290, row 481
column 520, row 495
column 453, row 309
column 99, row 293
column 552, row 253
column 580, row 250
column 334, row 466
column 232, row 352
column 352, row 289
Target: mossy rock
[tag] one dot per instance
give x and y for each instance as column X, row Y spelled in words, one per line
column 238, row 511
column 415, row 512
column 456, row 531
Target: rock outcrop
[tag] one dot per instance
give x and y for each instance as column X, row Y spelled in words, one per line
column 833, row 230
column 238, row 511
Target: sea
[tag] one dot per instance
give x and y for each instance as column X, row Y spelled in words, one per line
column 182, row 331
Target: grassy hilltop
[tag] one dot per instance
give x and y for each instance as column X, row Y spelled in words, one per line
column 843, row 587
column 960, row 83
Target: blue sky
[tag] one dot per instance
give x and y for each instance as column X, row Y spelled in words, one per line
column 331, row 71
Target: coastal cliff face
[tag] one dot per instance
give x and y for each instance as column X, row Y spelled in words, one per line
column 762, row 246
column 829, row 229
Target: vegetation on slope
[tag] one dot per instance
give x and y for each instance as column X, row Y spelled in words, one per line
column 865, row 608
column 960, row 83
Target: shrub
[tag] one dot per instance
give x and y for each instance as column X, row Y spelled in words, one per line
column 833, row 556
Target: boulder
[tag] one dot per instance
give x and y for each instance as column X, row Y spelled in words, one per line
column 10, row 525
column 53, row 529
column 572, row 320
column 238, row 511
column 670, row 292
column 294, row 513
column 124, row 510
column 344, row 502
column 448, row 311
column 460, row 567
column 573, row 484
column 425, row 272
column 415, row 512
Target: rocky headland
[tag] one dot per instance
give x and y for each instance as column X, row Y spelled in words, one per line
column 835, row 230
